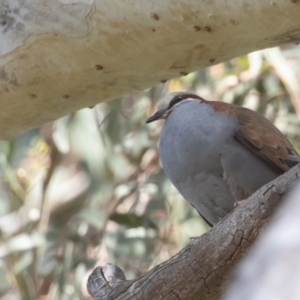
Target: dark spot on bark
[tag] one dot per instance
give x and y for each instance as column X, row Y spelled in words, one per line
column 212, row 60
column 33, row 96
column 207, row 28
column 6, row 21
column 153, row 29
column 183, row 73
column 234, row 22
column 98, row 67
column 163, row 80
column 7, row 89
column 199, row 46
column 197, row 28
column 66, row 96
column 294, row 1
column 24, row 56
column 91, row 107
column 154, row 16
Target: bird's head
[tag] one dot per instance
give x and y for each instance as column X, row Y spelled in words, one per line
column 170, row 102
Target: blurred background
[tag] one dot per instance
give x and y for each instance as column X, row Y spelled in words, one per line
column 89, row 189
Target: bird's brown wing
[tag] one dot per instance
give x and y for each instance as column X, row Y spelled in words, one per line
column 261, row 137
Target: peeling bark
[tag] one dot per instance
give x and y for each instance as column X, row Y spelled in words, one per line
column 203, row 269
column 58, row 56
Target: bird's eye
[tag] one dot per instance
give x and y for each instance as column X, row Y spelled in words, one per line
column 176, row 100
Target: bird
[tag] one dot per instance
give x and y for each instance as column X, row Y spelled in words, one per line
column 217, row 154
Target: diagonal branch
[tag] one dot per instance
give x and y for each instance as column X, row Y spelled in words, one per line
column 202, row 269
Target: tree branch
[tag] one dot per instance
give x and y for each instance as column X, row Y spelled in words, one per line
column 202, row 269
column 66, row 55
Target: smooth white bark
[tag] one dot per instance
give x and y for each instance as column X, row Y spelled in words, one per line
column 57, row 56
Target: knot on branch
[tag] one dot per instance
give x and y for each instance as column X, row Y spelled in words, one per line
column 103, row 280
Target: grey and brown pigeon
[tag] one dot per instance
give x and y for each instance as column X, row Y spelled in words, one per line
column 217, row 153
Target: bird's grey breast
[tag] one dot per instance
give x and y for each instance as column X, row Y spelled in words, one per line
column 190, row 154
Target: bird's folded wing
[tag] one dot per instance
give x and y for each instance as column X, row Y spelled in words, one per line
column 261, row 137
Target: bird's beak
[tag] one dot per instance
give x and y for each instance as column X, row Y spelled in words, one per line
column 160, row 114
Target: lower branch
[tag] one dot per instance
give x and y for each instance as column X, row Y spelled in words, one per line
column 202, row 269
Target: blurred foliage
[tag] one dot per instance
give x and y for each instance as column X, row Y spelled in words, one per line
column 88, row 188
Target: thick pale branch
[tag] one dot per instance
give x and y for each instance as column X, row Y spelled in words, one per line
column 58, row 56
column 202, row 269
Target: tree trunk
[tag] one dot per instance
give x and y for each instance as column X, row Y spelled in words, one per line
column 202, row 270
column 58, row 56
